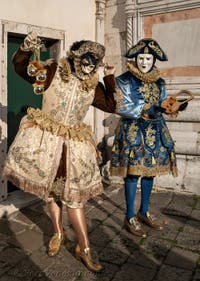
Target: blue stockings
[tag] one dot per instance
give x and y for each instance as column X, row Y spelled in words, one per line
column 146, row 188
column 130, row 193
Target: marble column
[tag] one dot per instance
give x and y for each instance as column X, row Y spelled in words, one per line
column 131, row 24
column 99, row 37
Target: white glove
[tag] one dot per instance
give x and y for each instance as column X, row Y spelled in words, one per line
column 109, row 69
column 30, row 41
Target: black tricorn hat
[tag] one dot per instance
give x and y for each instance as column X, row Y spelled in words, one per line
column 147, row 46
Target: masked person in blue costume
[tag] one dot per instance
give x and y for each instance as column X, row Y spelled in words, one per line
column 143, row 146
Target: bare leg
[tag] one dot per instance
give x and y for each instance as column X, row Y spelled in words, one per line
column 78, row 220
column 55, row 211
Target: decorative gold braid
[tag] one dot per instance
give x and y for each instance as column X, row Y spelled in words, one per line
column 144, row 171
column 149, row 77
column 156, row 49
column 46, row 122
column 137, row 47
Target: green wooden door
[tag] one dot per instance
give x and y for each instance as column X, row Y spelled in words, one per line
column 20, row 94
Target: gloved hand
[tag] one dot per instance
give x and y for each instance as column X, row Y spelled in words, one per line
column 183, row 106
column 155, row 109
column 109, row 69
column 30, row 41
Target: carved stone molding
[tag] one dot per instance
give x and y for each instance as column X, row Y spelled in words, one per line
column 161, row 6
column 145, row 8
column 100, row 9
column 99, row 36
column 131, row 23
column 100, row 15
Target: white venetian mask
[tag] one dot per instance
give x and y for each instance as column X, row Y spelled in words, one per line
column 145, row 62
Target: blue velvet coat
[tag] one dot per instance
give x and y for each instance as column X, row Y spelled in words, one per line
column 143, row 145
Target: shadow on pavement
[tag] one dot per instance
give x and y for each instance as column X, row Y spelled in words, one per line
column 126, row 257
column 15, row 262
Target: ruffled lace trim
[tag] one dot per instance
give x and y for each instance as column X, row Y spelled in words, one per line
column 143, row 171
column 45, row 122
column 88, row 81
column 149, row 77
column 73, row 195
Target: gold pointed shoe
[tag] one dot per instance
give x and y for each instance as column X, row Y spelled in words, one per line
column 88, row 258
column 55, row 244
column 133, row 226
column 150, row 220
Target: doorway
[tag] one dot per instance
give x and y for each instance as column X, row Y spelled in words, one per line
column 16, row 94
column 19, row 93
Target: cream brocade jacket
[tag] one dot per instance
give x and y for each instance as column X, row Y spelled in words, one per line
column 56, row 135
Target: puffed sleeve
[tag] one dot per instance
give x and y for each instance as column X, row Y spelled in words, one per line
column 130, row 104
column 104, row 95
column 21, row 60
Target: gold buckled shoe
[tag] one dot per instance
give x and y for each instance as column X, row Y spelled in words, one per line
column 55, row 243
column 134, row 227
column 150, row 220
column 89, row 259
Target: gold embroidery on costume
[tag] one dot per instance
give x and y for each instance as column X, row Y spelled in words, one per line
column 46, row 122
column 119, row 98
column 58, row 124
column 18, row 157
column 137, row 47
column 166, row 133
column 156, row 49
column 132, row 133
column 150, row 137
column 57, row 188
column 144, row 171
column 150, row 92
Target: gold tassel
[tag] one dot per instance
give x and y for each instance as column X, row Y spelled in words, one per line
column 172, row 156
column 153, row 160
column 131, row 154
column 113, row 148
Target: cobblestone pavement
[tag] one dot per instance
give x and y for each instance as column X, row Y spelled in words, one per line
column 171, row 254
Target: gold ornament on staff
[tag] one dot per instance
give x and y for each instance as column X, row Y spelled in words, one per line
column 36, row 68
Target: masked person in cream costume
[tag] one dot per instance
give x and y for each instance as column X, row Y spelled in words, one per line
column 54, row 154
